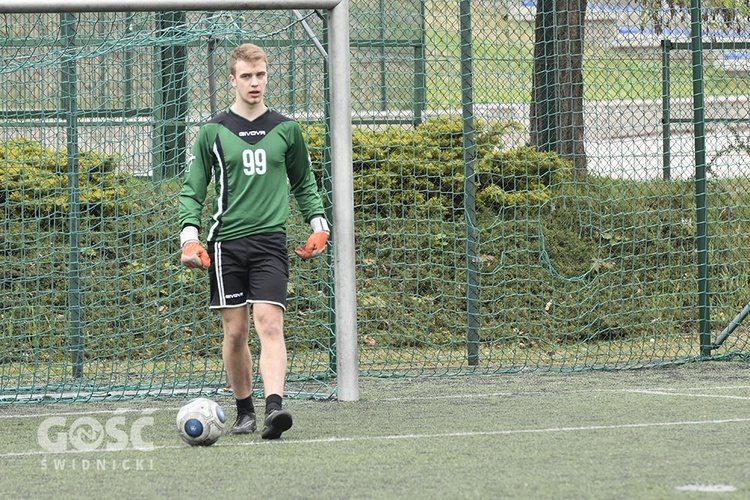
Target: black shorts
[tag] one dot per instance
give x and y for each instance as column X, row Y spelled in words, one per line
column 249, row 270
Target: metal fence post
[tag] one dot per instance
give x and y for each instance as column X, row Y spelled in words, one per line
column 69, row 105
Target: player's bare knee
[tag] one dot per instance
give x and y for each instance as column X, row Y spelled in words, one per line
column 272, row 333
column 235, row 339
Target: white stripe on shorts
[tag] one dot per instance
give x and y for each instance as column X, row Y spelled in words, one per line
column 217, row 271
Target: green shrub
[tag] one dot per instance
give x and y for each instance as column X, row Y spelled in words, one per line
column 37, row 182
column 420, row 171
column 559, row 261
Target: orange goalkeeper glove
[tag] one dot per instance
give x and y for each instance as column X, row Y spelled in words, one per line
column 193, row 254
column 316, row 243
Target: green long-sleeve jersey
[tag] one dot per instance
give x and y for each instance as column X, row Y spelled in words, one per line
column 250, row 163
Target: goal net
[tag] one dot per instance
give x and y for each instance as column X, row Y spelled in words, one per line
column 524, row 197
column 97, row 113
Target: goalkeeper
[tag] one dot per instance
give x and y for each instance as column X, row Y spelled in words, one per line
column 254, row 156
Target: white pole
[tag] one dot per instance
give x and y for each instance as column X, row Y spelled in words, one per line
column 311, row 34
column 41, row 6
column 344, row 277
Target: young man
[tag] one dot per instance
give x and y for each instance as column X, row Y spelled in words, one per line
column 250, row 152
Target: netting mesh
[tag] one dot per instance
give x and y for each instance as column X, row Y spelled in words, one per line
column 94, row 301
column 527, row 194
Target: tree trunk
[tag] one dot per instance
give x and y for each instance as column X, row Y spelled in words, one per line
column 557, row 95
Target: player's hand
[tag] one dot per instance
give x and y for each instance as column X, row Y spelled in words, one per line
column 316, row 245
column 194, row 255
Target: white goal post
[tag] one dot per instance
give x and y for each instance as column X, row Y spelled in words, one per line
column 341, row 142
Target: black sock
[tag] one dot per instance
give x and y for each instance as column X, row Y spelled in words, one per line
column 245, row 406
column 273, row 402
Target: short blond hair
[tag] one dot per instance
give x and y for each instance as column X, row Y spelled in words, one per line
column 247, row 52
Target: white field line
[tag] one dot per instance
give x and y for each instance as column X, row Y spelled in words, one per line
column 685, row 394
column 393, row 437
column 116, row 411
column 654, row 391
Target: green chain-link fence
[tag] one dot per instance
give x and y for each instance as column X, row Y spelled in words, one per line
column 528, row 195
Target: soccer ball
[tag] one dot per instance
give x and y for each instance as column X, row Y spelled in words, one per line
column 200, row 422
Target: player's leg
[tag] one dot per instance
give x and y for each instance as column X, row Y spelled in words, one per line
column 229, row 286
column 238, row 365
column 269, row 276
column 235, row 350
column 269, row 324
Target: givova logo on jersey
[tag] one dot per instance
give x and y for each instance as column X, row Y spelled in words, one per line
column 252, row 133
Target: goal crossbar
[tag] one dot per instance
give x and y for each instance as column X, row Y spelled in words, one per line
column 54, row 6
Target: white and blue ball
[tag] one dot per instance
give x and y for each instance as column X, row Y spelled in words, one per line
column 201, row 422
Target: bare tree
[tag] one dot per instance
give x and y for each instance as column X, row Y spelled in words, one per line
column 728, row 15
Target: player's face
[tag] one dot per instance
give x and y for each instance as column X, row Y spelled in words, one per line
column 249, row 81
